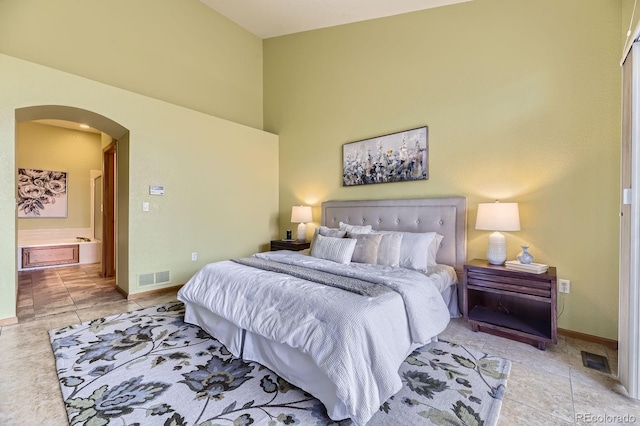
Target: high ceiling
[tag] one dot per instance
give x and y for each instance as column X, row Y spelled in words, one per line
column 272, row 18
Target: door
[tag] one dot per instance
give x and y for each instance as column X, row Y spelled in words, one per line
column 109, row 211
column 629, row 302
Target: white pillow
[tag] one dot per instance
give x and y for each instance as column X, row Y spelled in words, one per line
column 355, row 229
column 389, row 249
column 325, row 231
column 335, row 249
column 414, row 249
column 366, row 250
column 432, row 252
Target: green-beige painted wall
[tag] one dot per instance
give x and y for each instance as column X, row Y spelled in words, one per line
column 47, row 147
column 522, row 100
column 182, row 52
column 220, row 177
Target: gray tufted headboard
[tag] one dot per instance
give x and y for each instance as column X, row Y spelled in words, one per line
column 446, row 216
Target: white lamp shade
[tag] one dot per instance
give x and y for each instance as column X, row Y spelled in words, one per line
column 301, row 214
column 498, row 217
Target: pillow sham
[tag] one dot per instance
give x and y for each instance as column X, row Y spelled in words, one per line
column 414, row 249
column 389, row 249
column 338, row 250
column 366, row 250
column 325, row 231
column 355, row 229
column 432, row 252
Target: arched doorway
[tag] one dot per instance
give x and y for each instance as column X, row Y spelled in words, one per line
column 115, row 222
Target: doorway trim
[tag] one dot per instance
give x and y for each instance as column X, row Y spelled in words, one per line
column 94, row 174
column 109, row 212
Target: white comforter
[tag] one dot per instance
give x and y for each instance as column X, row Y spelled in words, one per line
column 352, row 338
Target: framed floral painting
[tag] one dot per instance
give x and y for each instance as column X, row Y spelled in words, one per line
column 42, row 193
column 397, row 157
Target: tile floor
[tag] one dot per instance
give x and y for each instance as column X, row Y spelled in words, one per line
column 544, row 388
column 52, row 291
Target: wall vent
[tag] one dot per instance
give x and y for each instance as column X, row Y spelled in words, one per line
column 163, row 277
column 596, row 362
column 146, row 279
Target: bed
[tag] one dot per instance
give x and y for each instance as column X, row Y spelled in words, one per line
column 340, row 346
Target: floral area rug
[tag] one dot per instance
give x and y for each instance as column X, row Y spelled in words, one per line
column 148, row 367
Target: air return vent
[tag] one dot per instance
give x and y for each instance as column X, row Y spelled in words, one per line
column 154, row 278
column 163, row 277
column 146, row 279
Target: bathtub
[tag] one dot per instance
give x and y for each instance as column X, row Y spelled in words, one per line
column 43, row 253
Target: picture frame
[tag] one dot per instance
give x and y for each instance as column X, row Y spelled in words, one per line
column 396, row 157
column 42, row 193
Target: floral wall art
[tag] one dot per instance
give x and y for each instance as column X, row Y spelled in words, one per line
column 397, row 157
column 42, row 193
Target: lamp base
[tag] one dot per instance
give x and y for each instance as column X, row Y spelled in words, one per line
column 497, row 250
column 302, row 233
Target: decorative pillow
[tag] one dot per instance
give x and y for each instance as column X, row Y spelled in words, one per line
column 335, row 249
column 433, row 250
column 366, row 250
column 325, row 231
column 414, row 249
column 389, row 250
column 355, row 229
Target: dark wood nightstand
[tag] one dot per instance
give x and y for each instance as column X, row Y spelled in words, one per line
column 518, row 305
column 289, row 245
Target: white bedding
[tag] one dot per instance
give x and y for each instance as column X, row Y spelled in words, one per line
column 359, row 348
column 445, row 279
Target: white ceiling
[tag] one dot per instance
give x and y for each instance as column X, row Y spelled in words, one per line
column 272, row 18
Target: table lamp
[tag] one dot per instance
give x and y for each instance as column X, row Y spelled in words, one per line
column 497, row 217
column 301, row 215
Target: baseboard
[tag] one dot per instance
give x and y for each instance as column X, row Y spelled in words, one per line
column 610, row 343
column 8, row 321
column 148, row 293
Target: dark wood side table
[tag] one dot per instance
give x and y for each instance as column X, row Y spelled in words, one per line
column 518, row 305
column 289, row 245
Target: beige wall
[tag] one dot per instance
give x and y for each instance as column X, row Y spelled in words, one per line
column 522, row 100
column 181, row 52
column 54, row 148
column 629, row 22
column 216, row 204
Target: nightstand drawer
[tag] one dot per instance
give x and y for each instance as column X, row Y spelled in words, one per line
column 509, row 283
column 289, row 245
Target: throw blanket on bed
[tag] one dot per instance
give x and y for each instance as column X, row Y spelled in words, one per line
column 358, row 342
column 354, row 285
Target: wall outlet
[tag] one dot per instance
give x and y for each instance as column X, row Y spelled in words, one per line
column 194, row 257
column 564, row 286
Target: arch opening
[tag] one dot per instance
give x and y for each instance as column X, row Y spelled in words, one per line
column 120, row 136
